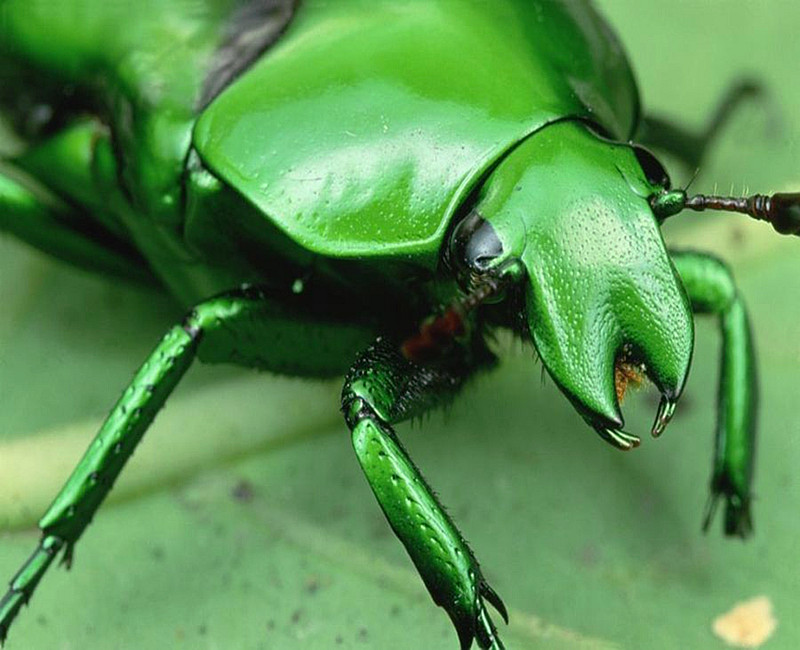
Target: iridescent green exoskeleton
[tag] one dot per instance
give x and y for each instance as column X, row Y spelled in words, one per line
column 369, row 190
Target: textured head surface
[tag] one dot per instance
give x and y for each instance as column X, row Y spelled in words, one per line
column 600, row 288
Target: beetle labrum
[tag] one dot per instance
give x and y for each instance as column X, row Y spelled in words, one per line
column 365, row 153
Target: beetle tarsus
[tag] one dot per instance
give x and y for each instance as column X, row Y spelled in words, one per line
column 738, row 521
column 24, row 582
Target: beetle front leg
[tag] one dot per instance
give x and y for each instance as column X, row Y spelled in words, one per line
column 711, row 290
column 383, row 388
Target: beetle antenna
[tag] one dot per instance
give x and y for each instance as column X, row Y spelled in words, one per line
column 782, row 210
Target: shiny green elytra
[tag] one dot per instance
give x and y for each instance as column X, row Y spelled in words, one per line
column 367, row 189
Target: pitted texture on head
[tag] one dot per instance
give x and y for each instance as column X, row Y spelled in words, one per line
column 572, row 208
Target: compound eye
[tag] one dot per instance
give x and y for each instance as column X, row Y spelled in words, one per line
column 474, row 245
column 653, row 170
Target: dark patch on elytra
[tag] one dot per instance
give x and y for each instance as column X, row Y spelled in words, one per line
column 251, row 30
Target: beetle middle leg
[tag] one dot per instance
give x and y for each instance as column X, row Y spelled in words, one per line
column 248, row 327
column 383, row 388
column 711, row 290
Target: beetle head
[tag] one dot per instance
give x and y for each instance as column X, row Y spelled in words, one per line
column 565, row 217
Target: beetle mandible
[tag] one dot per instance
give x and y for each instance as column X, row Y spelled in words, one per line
column 423, row 199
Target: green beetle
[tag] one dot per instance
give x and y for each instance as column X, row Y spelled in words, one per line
column 332, row 188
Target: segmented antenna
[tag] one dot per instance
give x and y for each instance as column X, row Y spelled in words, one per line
column 781, row 210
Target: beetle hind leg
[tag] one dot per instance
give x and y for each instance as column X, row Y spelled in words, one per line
column 382, row 388
column 690, row 146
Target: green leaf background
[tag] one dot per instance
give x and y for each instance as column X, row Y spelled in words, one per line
column 244, row 522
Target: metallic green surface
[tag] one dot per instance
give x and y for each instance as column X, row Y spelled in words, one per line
column 143, row 84
column 711, row 291
column 142, row 63
column 24, row 582
column 600, row 284
column 370, row 155
column 48, row 226
column 154, row 192
column 439, row 552
column 64, row 163
column 75, row 505
column 94, row 476
column 231, row 328
column 253, row 328
column 383, row 388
